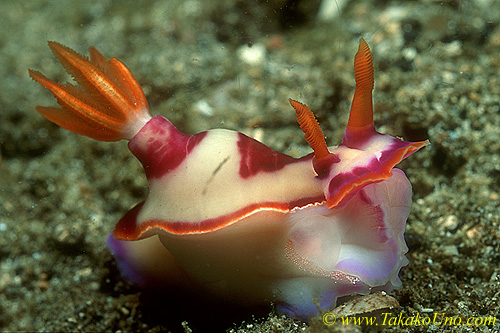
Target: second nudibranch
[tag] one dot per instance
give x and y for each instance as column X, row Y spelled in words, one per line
column 227, row 214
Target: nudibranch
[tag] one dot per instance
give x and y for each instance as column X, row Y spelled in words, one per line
column 227, row 214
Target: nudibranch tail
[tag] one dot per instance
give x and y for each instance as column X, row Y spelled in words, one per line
column 109, row 104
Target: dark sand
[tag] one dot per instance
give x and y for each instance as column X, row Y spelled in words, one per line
column 436, row 76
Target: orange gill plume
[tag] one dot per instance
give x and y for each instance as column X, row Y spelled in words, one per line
column 108, row 104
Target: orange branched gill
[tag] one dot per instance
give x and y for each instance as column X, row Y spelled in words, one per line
column 109, row 104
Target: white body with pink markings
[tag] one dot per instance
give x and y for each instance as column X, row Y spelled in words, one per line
column 238, row 219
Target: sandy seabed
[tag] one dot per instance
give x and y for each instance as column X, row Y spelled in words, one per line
column 436, row 77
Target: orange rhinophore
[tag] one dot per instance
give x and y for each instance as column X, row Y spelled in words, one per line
column 312, row 131
column 361, row 114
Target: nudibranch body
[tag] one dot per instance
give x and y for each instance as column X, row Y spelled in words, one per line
column 227, row 214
